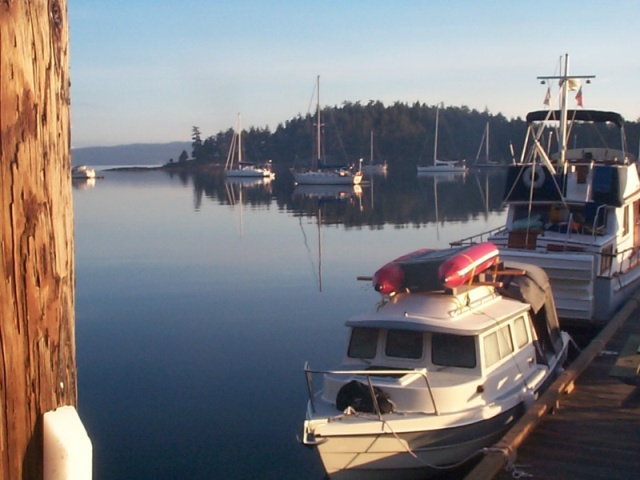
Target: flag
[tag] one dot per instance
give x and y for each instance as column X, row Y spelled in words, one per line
column 547, row 97
column 579, row 97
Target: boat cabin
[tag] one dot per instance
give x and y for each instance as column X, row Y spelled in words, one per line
column 576, row 214
column 442, row 351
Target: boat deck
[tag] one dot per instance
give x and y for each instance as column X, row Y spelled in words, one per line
column 587, row 425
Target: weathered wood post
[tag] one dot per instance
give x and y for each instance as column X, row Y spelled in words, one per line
column 37, row 336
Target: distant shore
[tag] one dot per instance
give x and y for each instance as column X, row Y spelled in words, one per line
column 189, row 165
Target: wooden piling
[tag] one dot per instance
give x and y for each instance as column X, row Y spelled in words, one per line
column 37, row 322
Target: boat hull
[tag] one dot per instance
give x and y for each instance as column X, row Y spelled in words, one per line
column 327, row 178
column 249, row 173
column 581, row 296
column 442, row 169
column 411, row 455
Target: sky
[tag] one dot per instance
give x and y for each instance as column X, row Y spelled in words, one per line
column 148, row 71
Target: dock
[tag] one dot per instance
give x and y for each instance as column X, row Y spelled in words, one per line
column 587, row 424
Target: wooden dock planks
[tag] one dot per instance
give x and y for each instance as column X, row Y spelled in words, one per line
column 591, row 433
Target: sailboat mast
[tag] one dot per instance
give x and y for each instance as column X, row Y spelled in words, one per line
column 239, row 142
column 486, row 144
column 371, row 149
column 563, row 114
column 435, row 140
column 318, row 127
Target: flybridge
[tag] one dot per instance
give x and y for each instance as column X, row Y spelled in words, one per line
column 596, row 116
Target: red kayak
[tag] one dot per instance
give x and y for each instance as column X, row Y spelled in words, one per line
column 466, row 264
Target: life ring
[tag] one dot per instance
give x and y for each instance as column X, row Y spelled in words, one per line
column 537, row 173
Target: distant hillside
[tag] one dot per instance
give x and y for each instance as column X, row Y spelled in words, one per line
column 133, row 154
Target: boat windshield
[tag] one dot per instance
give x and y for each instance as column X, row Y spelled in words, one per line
column 453, row 350
column 447, row 350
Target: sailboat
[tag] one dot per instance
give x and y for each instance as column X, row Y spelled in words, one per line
column 321, row 174
column 484, row 142
column 236, row 167
column 441, row 165
column 373, row 167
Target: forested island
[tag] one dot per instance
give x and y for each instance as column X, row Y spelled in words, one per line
column 403, row 137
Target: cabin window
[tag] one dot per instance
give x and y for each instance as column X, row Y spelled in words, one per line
column 534, row 218
column 497, row 345
column 404, row 344
column 453, row 350
column 363, row 343
column 625, row 220
column 520, row 331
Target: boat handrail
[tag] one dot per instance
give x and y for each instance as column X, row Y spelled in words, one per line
column 630, row 256
column 595, row 228
column 368, row 374
column 478, row 237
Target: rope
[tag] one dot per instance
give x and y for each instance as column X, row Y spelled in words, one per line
column 404, row 444
column 510, row 458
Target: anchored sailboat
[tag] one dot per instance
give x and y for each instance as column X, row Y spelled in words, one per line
column 321, row 174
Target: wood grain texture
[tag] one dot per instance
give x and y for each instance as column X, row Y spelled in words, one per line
column 37, row 332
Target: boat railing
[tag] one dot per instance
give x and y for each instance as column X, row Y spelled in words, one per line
column 478, row 237
column 621, row 261
column 368, row 374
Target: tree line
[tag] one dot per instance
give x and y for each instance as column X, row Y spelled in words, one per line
column 403, row 136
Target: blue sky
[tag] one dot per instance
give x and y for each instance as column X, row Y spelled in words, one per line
column 147, row 71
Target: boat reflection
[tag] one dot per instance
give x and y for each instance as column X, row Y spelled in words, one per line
column 83, row 183
column 328, row 191
column 393, row 199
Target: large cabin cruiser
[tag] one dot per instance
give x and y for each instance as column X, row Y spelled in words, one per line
column 456, row 352
column 574, row 210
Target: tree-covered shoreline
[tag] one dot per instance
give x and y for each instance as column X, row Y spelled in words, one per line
column 403, row 137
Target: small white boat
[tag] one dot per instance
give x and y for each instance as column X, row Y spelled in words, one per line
column 82, row 172
column 433, row 375
column 441, row 166
column 236, row 167
column 575, row 210
column 320, row 173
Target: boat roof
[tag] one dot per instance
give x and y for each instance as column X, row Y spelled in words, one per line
column 465, row 311
column 596, row 116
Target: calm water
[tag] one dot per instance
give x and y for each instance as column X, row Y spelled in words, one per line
column 198, row 302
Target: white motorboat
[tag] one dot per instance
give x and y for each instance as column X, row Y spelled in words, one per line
column 441, row 166
column 431, row 376
column 320, row 173
column 575, row 212
column 82, row 172
column 236, row 167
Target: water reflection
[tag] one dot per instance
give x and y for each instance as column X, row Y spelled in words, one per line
column 401, row 199
column 191, row 338
column 83, row 183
